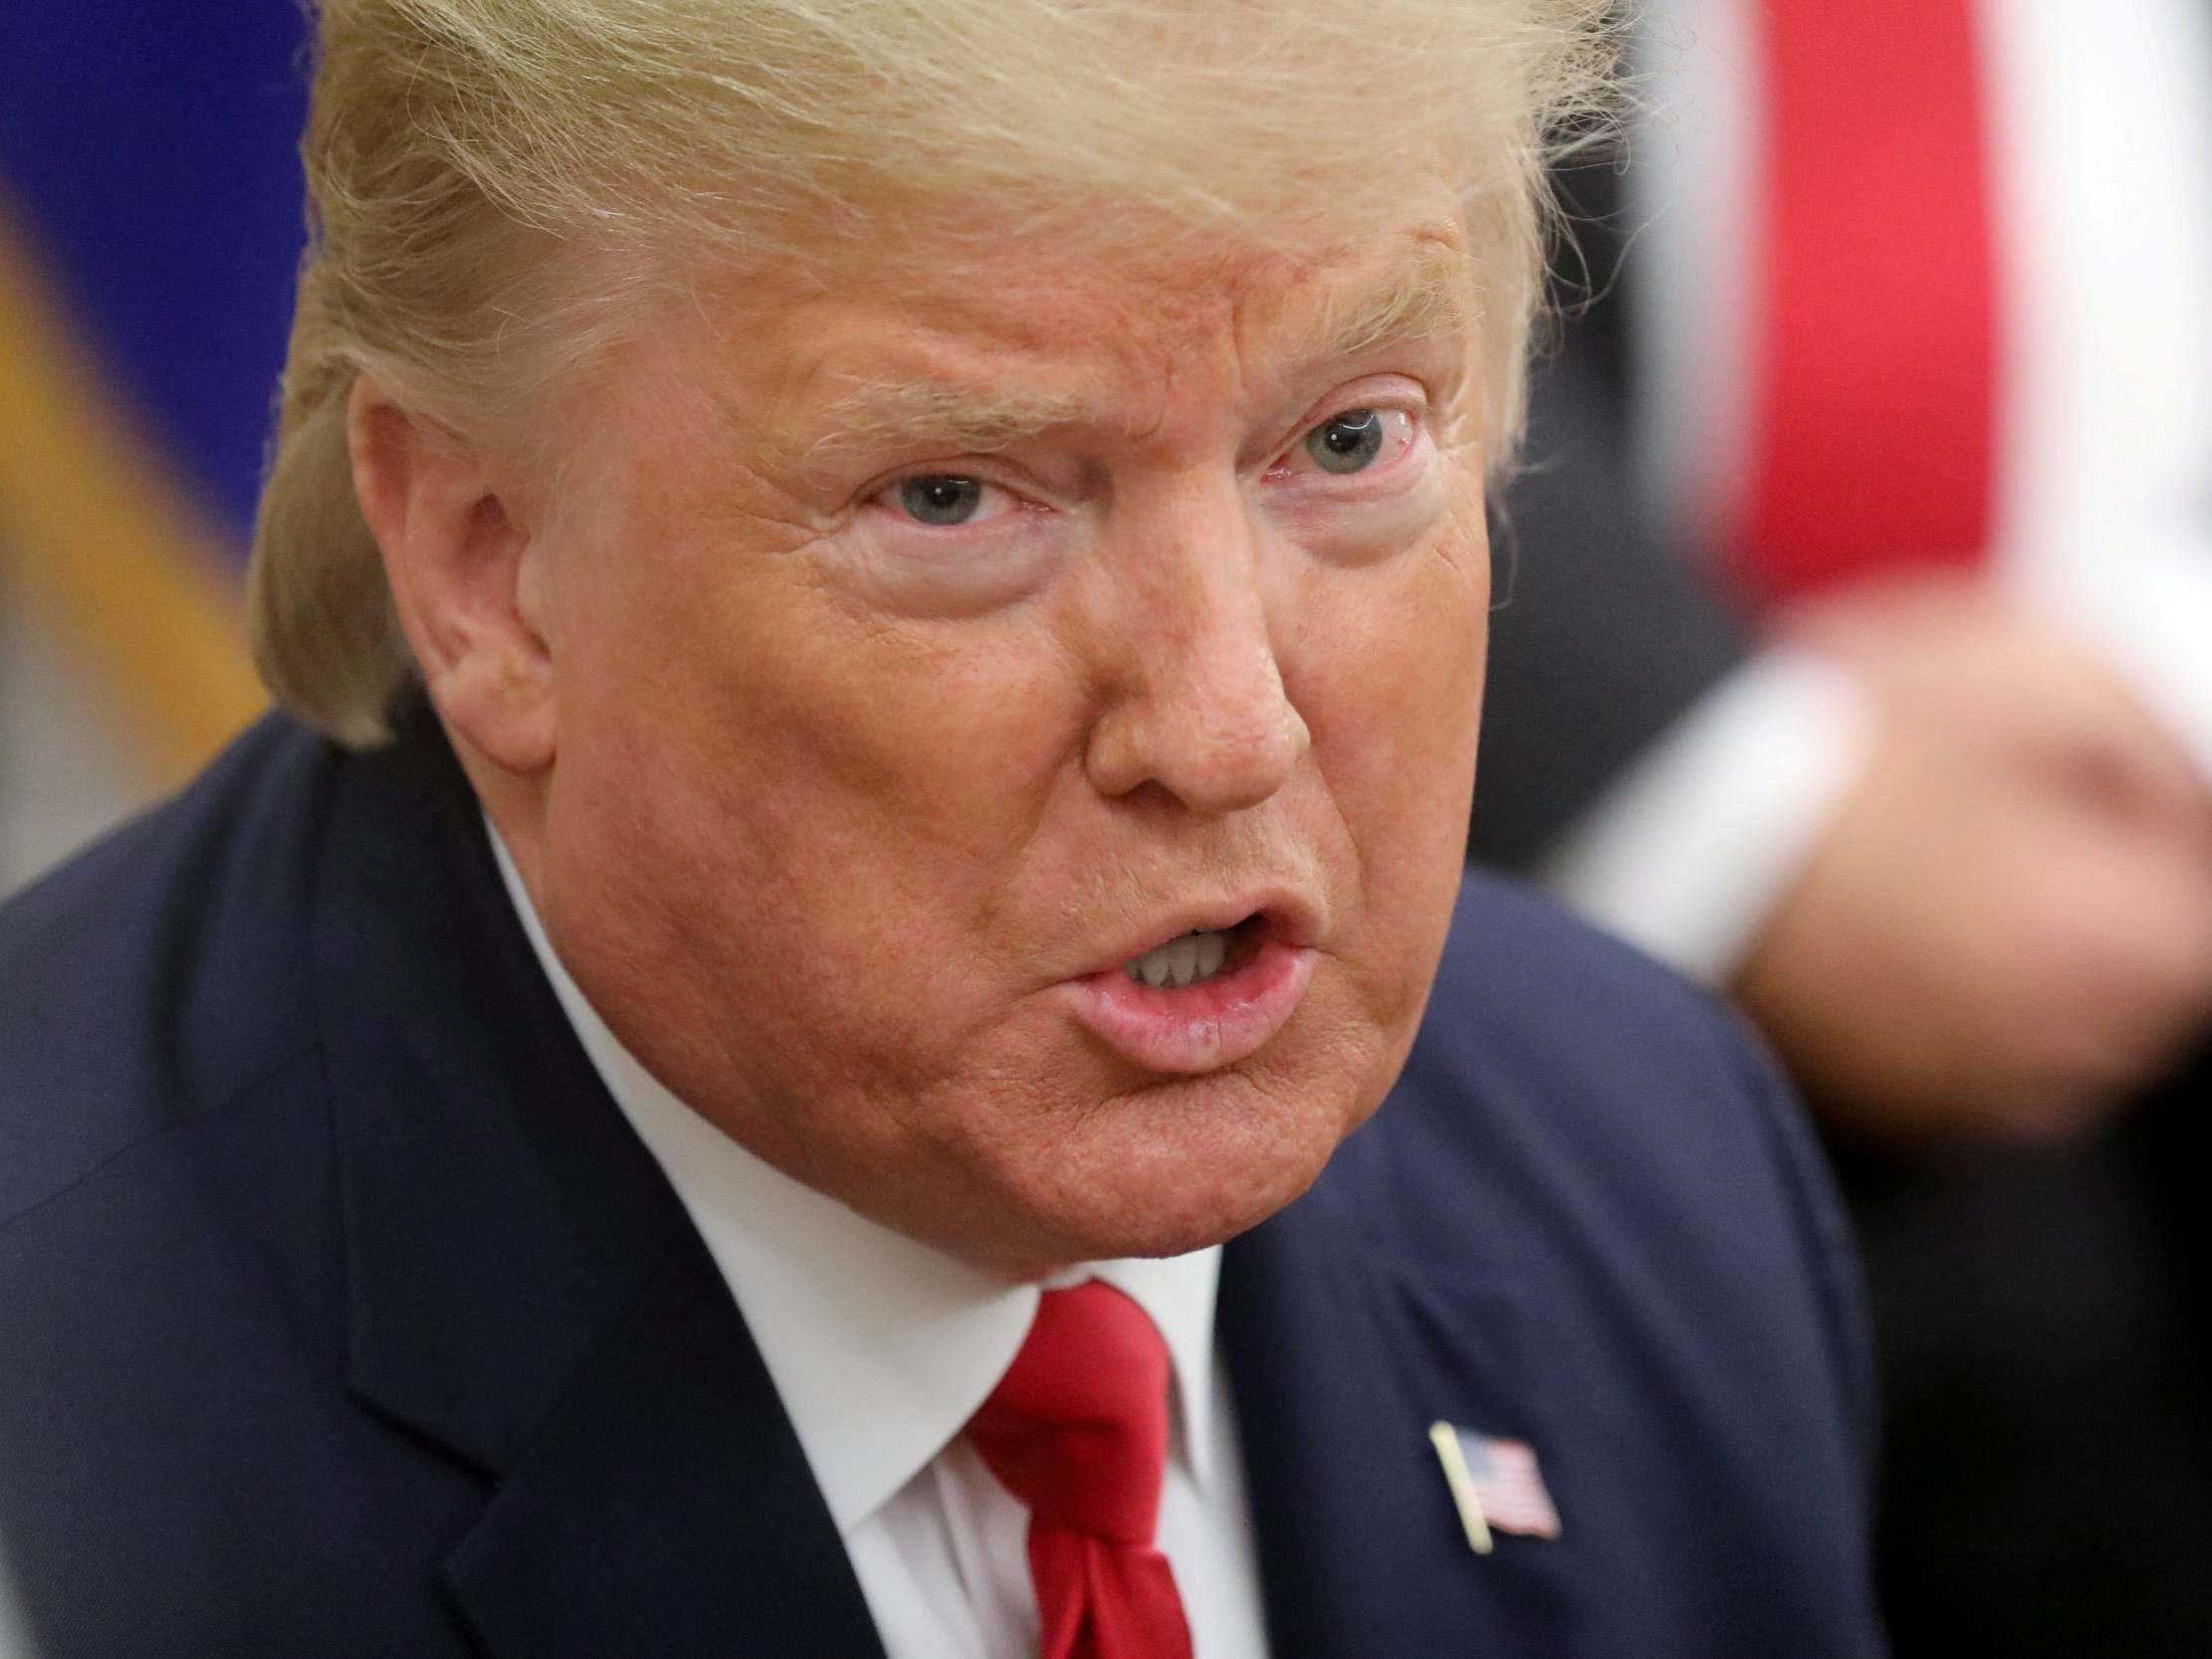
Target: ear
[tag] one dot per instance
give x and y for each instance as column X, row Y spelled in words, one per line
column 464, row 574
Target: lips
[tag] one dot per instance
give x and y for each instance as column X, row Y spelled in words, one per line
column 1282, row 914
column 1211, row 1021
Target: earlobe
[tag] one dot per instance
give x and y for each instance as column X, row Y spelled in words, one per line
column 462, row 569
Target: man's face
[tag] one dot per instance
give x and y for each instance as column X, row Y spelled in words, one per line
column 929, row 652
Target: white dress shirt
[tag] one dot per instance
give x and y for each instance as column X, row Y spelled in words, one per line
column 882, row 1349
column 2101, row 144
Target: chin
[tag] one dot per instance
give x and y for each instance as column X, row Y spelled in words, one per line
column 1177, row 1166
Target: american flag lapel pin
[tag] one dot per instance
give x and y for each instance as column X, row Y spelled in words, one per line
column 1494, row 1484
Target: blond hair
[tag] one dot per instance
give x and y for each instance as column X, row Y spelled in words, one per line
column 494, row 185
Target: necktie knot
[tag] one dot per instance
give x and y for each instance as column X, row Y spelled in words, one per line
column 1077, row 1429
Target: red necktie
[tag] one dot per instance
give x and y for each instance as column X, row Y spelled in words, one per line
column 1077, row 1429
column 1875, row 391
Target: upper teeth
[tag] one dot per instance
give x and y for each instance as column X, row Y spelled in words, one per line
column 1179, row 962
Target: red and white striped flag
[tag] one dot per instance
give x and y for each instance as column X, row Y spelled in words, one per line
column 1496, row 1485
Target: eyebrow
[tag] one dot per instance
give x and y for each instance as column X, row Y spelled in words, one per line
column 1423, row 298
column 977, row 416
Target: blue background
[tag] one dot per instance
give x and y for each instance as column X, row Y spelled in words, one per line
column 149, row 150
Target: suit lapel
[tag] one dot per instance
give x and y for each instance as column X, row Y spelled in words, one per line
column 665, row 1507
column 1340, row 1357
column 524, row 1290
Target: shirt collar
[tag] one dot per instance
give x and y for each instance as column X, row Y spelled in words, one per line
column 880, row 1348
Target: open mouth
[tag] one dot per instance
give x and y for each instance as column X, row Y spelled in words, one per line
column 1201, row 1000
column 1203, row 955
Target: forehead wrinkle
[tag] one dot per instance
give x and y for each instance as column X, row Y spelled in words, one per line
column 1424, row 293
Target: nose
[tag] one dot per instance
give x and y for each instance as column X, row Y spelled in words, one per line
column 1196, row 705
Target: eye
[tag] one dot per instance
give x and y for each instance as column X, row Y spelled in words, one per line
column 939, row 498
column 1348, row 440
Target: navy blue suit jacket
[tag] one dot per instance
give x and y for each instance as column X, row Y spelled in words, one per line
column 341, row 1313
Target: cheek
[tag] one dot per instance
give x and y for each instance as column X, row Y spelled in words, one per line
column 847, row 801
column 1395, row 715
column 1398, row 655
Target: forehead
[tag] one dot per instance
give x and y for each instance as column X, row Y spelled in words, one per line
column 984, row 351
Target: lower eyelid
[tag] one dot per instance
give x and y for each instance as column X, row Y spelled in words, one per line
column 1002, row 528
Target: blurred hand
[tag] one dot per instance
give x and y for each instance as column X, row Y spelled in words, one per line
column 2008, row 928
